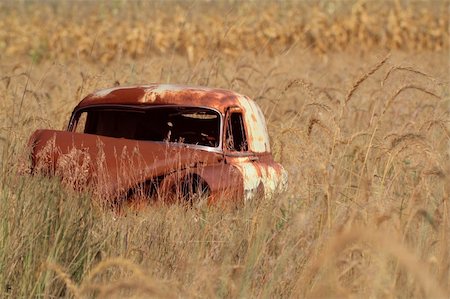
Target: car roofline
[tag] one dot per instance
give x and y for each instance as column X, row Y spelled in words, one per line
column 163, row 94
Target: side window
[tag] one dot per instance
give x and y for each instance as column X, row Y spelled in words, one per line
column 81, row 123
column 235, row 136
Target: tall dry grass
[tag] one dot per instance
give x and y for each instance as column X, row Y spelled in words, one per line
column 364, row 137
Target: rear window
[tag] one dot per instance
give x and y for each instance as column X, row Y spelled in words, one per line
column 200, row 126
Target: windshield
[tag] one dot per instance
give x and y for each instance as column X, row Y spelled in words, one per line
column 190, row 125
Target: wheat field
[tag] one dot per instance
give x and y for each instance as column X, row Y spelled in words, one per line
column 356, row 96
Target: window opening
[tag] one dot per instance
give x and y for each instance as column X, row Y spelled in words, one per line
column 199, row 126
column 235, row 135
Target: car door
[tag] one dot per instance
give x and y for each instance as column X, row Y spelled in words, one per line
column 237, row 153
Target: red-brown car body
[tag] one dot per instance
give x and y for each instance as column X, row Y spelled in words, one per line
column 164, row 136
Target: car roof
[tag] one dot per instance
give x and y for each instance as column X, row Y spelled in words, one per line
column 164, row 94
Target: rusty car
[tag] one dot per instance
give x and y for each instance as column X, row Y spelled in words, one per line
column 165, row 142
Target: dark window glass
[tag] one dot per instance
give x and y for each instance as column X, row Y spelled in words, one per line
column 189, row 125
column 236, row 139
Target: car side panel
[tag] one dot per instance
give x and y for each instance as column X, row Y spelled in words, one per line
column 114, row 165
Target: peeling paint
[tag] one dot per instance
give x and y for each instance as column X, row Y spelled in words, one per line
column 272, row 176
column 257, row 131
column 149, row 97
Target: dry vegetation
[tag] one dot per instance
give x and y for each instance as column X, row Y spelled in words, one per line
column 112, row 30
column 357, row 98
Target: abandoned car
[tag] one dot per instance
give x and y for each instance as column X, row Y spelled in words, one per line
column 166, row 142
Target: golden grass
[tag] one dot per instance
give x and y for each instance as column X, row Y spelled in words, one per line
column 365, row 141
column 365, row 76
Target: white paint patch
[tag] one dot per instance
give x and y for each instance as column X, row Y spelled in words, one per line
column 155, row 91
column 149, row 97
column 162, row 88
column 255, row 174
column 256, row 125
column 251, row 179
column 107, row 91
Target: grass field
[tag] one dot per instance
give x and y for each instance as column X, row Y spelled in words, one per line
column 357, row 99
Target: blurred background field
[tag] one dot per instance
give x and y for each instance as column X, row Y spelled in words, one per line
column 110, row 30
column 356, row 94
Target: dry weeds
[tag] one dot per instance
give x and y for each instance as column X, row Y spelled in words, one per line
column 367, row 210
